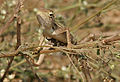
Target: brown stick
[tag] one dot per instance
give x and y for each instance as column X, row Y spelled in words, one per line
column 6, row 71
column 17, row 9
column 18, row 35
column 17, row 52
column 110, row 39
column 7, row 24
column 39, row 79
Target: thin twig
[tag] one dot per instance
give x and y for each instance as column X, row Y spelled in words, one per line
column 6, row 71
column 73, row 64
column 69, row 45
column 17, row 9
column 77, row 26
column 39, row 79
column 17, row 52
column 18, row 32
column 111, row 39
column 18, row 6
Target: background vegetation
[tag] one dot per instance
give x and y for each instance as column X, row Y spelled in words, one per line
column 94, row 23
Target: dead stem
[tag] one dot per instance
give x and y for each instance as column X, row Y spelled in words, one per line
column 18, row 7
column 77, row 26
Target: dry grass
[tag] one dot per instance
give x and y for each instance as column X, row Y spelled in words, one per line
column 95, row 24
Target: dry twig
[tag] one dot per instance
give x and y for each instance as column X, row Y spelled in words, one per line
column 18, row 7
